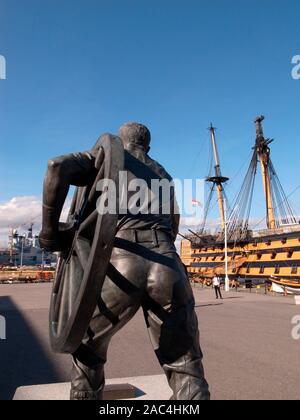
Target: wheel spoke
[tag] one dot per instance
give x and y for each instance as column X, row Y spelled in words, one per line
column 82, row 249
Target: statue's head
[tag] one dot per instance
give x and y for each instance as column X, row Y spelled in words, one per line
column 135, row 134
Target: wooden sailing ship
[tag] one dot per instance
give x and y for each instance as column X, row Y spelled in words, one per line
column 272, row 254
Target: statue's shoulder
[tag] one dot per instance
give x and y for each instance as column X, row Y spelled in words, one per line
column 95, row 149
column 158, row 168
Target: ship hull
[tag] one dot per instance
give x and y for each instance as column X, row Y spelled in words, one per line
column 262, row 257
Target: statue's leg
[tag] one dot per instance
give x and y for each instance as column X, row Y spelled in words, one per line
column 173, row 328
column 120, row 300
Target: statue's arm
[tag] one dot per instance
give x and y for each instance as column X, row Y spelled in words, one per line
column 76, row 169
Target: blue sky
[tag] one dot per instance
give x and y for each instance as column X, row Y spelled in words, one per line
column 76, row 69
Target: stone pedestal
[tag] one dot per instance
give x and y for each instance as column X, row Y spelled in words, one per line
column 139, row 388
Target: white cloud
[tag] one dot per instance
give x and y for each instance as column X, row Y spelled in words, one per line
column 19, row 210
column 19, row 213
column 188, row 223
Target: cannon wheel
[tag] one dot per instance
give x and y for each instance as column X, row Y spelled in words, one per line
column 81, row 271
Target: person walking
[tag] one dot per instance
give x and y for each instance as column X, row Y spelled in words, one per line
column 217, row 287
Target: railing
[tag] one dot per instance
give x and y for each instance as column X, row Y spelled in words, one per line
column 278, row 231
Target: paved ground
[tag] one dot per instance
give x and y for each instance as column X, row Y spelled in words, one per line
column 246, row 339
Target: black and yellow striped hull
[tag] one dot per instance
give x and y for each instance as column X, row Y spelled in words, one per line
column 271, row 254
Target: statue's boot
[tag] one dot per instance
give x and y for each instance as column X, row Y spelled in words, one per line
column 87, row 382
column 186, row 378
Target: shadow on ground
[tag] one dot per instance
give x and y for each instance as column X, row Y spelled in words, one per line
column 208, row 305
column 233, row 297
column 22, row 358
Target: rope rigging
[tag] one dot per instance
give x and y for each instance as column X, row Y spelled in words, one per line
column 239, row 217
column 279, row 211
column 284, row 212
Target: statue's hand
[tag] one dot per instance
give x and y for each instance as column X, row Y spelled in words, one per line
column 58, row 242
column 50, row 243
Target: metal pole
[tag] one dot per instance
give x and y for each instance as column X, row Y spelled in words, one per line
column 218, row 178
column 11, row 246
column 22, row 251
column 215, row 151
column 226, row 248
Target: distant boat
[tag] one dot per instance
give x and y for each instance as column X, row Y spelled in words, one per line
column 284, row 286
column 24, row 250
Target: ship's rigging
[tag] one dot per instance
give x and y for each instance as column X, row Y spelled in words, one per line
column 279, row 212
column 217, row 182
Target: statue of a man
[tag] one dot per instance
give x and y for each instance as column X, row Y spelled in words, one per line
column 145, row 271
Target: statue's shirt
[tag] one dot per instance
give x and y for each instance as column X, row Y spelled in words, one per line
column 160, row 211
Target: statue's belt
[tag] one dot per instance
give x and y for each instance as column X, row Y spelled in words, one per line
column 143, row 236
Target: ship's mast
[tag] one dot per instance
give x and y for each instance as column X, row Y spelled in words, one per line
column 263, row 152
column 218, row 180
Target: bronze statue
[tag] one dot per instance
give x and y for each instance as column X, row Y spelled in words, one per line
column 113, row 264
